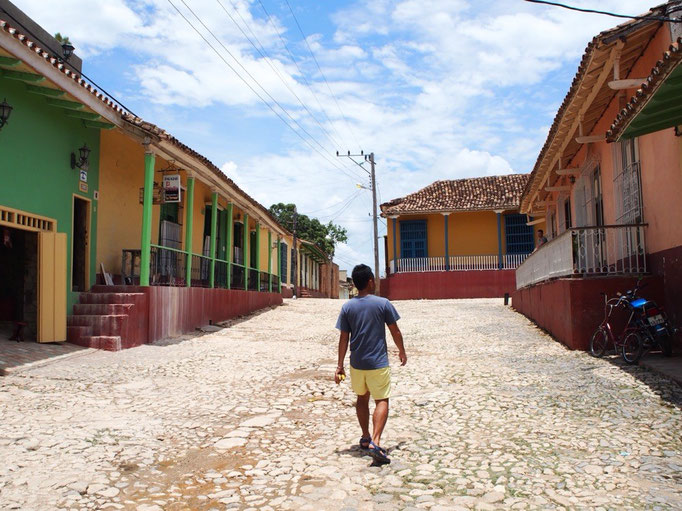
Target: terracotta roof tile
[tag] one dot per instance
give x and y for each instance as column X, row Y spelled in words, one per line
column 671, row 59
column 472, row 194
column 126, row 116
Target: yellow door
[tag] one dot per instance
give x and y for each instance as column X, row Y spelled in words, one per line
column 51, row 287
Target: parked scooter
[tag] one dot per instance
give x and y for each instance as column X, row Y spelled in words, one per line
column 655, row 331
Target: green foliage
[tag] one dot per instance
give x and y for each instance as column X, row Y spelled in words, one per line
column 325, row 236
column 62, row 39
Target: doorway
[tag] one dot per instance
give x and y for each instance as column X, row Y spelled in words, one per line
column 81, row 242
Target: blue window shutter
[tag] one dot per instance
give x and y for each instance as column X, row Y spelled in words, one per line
column 518, row 235
column 413, row 239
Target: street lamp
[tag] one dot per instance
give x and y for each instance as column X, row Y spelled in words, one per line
column 5, row 111
column 82, row 163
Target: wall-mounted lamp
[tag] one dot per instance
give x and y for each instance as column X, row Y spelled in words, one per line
column 67, row 48
column 82, row 162
column 5, row 111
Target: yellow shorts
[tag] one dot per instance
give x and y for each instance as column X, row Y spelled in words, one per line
column 376, row 381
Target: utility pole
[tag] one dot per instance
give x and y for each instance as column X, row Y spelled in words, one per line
column 373, row 186
column 294, row 257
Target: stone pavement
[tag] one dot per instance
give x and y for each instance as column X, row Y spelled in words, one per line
column 489, row 413
column 19, row 355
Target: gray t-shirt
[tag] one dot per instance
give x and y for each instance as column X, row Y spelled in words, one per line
column 365, row 317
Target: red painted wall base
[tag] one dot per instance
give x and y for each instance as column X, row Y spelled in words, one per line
column 571, row 309
column 173, row 311
column 449, row 284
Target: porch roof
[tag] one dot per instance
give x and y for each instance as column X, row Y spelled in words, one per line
column 473, row 194
column 589, row 96
column 19, row 53
column 315, row 252
column 656, row 105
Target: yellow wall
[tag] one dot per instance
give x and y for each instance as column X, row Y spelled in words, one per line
column 119, row 222
column 469, row 233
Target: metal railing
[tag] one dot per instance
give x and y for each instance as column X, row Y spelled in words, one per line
column 167, row 266
column 264, row 281
column 586, row 251
column 457, row 263
column 254, row 283
column 238, row 276
column 201, row 271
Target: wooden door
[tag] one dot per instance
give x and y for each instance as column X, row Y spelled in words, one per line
column 51, row 287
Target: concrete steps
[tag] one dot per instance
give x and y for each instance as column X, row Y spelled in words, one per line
column 109, row 318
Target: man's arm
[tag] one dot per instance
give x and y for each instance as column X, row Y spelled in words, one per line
column 343, row 348
column 398, row 340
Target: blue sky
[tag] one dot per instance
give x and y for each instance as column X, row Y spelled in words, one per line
column 437, row 89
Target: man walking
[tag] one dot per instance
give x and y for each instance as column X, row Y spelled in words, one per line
column 362, row 321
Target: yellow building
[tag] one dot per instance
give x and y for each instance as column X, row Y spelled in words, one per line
column 464, row 225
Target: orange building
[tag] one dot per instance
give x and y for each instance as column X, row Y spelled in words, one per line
column 456, row 239
column 607, row 183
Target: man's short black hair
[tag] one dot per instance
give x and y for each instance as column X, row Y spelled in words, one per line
column 361, row 276
column 540, row 231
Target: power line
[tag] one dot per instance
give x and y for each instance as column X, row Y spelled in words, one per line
column 293, row 59
column 257, row 83
column 46, row 47
column 606, row 13
column 249, row 85
column 305, row 39
column 263, row 53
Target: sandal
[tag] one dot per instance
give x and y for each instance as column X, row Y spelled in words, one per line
column 379, row 454
column 364, row 442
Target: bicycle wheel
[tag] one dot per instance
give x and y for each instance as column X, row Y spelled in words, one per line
column 632, row 347
column 599, row 342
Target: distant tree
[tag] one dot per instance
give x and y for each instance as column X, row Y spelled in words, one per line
column 62, row 39
column 325, row 236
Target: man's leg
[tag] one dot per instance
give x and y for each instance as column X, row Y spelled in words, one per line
column 379, row 419
column 362, row 410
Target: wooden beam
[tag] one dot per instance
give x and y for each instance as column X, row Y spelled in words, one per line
column 9, row 61
column 562, row 188
column 64, row 103
column 568, row 172
column 21, row 76
column 538, row 221
column 601, row 79
column 99, row 125
column 88, row 116
column 45, row 91
column 630, row 83
column 589, row 139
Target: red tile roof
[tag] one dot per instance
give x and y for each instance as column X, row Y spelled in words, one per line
column 117, row 111
column 671, row 59
column 472, row 194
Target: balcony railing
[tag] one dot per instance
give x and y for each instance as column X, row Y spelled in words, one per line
column 168, row 267
column 457, row 263
column 585, row 251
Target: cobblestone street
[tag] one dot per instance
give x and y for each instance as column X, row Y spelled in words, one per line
column 489, row 413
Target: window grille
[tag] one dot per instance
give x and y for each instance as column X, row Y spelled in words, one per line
column 413, row 239
column 283, row 250
column 627, row 183
column 518, row 235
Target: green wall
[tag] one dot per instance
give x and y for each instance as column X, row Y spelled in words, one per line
column 35, row 170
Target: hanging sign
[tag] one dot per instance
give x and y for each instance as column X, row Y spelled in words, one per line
column 171, row 188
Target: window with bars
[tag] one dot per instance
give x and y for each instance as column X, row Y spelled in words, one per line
column 283, row 251
column 627, row 183
column 413, row 239
column 518, row 235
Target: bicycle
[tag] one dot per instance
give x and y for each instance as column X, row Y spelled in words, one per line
column 628, row 342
